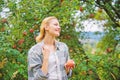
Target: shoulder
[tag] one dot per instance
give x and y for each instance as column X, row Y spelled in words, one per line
column 35, row 48
column 62, row 45
column 63, row 48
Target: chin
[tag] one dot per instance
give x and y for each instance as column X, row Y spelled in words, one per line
column 57, row 35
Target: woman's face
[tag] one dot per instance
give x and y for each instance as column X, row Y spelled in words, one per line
column 53, row 28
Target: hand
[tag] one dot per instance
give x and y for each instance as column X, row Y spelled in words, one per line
column 69, row 65
column 46, row 52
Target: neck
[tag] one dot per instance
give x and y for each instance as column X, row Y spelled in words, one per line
column 49, row 40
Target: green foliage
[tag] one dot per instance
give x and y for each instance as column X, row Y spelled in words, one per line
column 19, row 29
column 12, row 62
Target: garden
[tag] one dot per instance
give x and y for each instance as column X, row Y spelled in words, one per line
column 20, row 22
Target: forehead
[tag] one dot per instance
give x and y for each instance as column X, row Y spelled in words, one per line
column 54, row 21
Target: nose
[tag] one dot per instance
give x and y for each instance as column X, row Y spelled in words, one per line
column 59, row 27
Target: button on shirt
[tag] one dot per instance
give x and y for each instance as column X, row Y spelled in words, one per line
column 54, row 67
column 57, row 60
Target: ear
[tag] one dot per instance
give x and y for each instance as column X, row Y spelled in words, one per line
column 46, row 27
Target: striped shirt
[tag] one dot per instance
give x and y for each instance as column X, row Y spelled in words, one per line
column 57, row 60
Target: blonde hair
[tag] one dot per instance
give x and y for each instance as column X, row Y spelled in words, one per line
column 44, row 23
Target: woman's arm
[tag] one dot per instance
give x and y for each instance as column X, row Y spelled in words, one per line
column 37, row 66
column 68, row 69
column 45, row 66
column 46, row 53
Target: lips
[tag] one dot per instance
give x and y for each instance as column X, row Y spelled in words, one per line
column 58, row 30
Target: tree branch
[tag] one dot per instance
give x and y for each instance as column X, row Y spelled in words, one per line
column 52, row 8
column 117, row 13
column 108, row 13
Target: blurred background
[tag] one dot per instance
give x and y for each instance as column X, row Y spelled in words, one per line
column 90, row 28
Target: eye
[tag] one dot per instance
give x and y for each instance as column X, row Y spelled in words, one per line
column 55, row 24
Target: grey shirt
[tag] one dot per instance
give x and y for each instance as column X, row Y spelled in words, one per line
column 53, row 67
column 57, row 60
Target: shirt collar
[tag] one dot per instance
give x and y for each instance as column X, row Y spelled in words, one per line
column 56, row 44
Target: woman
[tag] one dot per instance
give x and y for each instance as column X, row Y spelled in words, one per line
column 48, row 59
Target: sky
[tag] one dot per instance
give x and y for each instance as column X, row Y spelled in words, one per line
column 93, row 25
column 90, row 25
column 3, row 13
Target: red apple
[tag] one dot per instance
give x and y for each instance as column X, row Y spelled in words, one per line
column 70, row 63
column 14, row 46
column 4, row 20
column 24, row 33
column 31, row 30
column 109, row 50
column 20, row 41
column 81, row 9
column 91, row 16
